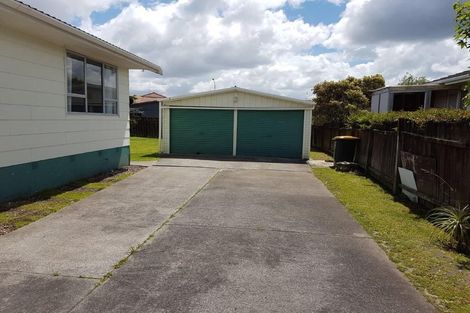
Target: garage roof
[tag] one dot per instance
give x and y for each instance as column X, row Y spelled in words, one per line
column 17, row 15
column 303, row 103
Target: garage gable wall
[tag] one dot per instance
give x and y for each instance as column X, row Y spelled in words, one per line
column 236, row 99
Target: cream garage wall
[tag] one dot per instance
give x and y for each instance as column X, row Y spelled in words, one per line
column 34, row 124
column 234, row 100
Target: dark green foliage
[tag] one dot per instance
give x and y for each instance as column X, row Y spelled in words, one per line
column 466, row 97
column 462, row 30
column 409, row 80
column 462, row 35
column 132, row 99
column 455, row 222
column 389, row 121
column 369, row 83
column 336, row 100
column 333, row 113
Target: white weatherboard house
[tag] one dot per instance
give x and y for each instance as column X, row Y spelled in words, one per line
column 64, row 102
column 236, row 122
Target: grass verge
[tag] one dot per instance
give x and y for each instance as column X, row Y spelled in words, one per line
column 144, row 149
column 320, row 156
column 16, row 214
column 411, row 242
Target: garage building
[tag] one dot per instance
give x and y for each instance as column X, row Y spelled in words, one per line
column 236, row 122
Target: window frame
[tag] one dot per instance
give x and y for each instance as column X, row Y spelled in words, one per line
column 85, row 96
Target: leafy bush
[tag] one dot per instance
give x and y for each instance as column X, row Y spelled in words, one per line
column 410, row 80
column 462, row 30
column 335, row 101
column 455, row 222
column 389, row 121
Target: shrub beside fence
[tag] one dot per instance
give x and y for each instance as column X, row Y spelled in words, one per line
column 432, row 152
column 144, row 127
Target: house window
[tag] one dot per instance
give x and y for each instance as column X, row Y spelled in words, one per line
column 91, row 86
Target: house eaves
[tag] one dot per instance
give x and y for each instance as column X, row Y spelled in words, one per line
column 26, row 19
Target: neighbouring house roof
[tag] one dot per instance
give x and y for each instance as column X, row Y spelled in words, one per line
column 453, row 79
column 437, row 84
column 413, row 88
column 24, row 18
column 306, row 103
column 148, row 98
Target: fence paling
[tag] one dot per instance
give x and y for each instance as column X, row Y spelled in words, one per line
column 441, row 151
column 145, row 127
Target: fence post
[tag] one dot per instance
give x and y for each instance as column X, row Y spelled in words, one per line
column 314, row 137
column 370, row 145
column 397, row 157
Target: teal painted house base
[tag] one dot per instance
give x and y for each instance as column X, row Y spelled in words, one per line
column 24, row 180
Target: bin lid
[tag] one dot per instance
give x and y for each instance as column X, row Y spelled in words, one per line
column 345, row 138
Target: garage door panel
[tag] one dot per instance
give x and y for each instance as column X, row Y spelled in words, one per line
column 195, row 131
column 270, row 133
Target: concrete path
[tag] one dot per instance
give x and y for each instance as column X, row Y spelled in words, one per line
column 53, row 263
column 254, row 237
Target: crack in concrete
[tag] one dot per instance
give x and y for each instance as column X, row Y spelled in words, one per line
column 354, row 235
column 232, row 168
column 50, row 274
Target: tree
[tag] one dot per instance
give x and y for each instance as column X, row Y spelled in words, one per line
column 409, row 79
column 462, row 36
column 336, row 100
column 462, row 29
column 369, row 83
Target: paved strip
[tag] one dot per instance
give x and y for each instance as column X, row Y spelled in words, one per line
column 259, row 241
column 264, row 199
column 23, row 292
column 88, row 237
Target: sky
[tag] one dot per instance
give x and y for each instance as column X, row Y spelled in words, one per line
column 278, row 46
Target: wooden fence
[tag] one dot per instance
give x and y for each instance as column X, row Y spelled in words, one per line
column 144, row 127
column 438, row 155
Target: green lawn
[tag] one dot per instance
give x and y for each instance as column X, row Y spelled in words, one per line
column 410, row 241
column 318, row 155
column 16, row 214
column 144, row 149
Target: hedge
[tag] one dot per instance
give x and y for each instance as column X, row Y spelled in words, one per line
column 389, row 121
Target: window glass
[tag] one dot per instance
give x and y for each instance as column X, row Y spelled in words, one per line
column 110, row 83
column 76, row 104
column 110, row 107
column 110, row 90
column 91, row 86
column 75, row 74
column 94, row 87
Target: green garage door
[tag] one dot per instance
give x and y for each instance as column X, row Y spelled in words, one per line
column 270, row 133
column 201, row 131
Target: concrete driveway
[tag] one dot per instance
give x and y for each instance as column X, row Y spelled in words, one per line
column 224, row 237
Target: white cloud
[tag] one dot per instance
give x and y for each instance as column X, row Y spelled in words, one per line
column 337, row 2
column 373, row 21
column 252, row 44
column 194, row 42
column 69, row 10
